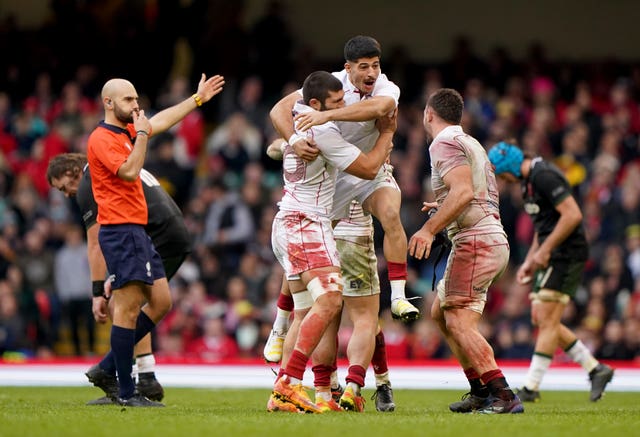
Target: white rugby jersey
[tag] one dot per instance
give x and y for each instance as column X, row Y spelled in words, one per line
column 364, row 133
column 309, row 186
column 451, row 148
column 355, row 224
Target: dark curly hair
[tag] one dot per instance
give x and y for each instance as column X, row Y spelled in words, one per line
column 65, row 163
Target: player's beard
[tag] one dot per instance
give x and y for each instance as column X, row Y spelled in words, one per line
column 121, row 116
column 428, row 137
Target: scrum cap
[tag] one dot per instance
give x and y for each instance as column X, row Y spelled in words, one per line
column 506, row 158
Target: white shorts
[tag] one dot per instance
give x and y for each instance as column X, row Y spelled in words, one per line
column 355, row 223
column 354, row 239
column 474, row 263
column 349, row 187
column 303, row 242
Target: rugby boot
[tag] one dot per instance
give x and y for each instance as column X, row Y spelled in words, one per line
column 149, row 386
column 277, row 405
column 137, row 400
column 327, row 406
column 600, row 377
column 500, row 406
column 469, row 403
column 383, row 398
column 404, row 310
column 527, row 395
column 106, row 382
column 350, row 401
column 273, row 347
column 295, row 394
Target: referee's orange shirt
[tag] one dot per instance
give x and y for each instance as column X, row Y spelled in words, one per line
column 119, row 201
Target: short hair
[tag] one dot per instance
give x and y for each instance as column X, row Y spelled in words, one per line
column 66, row 162
column 448, row 104
column 317, row 86
column 361, row 47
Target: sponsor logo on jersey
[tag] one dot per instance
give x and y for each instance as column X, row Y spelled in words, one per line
column 531, row 208
column 355, row 284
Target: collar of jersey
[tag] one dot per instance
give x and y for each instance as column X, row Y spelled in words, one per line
column 112, row 128
column 454, row 128
column 115, row 129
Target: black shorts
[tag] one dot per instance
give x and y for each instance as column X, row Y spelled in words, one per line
column 173, row 263
column 563, row 276
column 129, row 254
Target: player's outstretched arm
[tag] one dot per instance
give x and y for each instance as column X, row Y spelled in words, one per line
column 207, row 89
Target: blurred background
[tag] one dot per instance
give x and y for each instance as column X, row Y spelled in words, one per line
column 562, row 78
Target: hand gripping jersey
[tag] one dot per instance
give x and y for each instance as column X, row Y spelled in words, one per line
column 310, row 186
column 364, row 134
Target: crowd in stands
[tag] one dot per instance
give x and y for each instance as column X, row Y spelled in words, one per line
column 585, row 117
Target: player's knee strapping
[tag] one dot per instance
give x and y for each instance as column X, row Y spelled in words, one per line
column 302, row 300
column 549, row 296
column 325, row 283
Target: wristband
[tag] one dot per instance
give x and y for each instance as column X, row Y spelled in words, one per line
column 97, row 288
column 197, row 98
column 142, row 132
column 294, row 139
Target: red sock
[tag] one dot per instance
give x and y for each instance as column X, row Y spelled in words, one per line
column 379, row 359
column 397, row 271
column 489, row 376
column 471, row 373
column 477, row 387
column 497, row 384
column 356, row 375
column 285, row 302
column 296, row 365
column 322, row 375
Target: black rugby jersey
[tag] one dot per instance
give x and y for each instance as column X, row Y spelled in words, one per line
column 545, row 188
column 165, row 226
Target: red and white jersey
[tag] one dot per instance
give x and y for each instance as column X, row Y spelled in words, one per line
column 364, row 133
column 356, row 224
column 452, row 148
column 309, row 186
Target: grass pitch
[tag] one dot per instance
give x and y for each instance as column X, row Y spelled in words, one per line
column 60, row 411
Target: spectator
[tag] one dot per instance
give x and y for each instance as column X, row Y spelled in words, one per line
column 613, row 345
column 228, row 225
column 73, row 289
column 12, row 324
column 214, row 345
column 174, row 178
column 236, row 142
